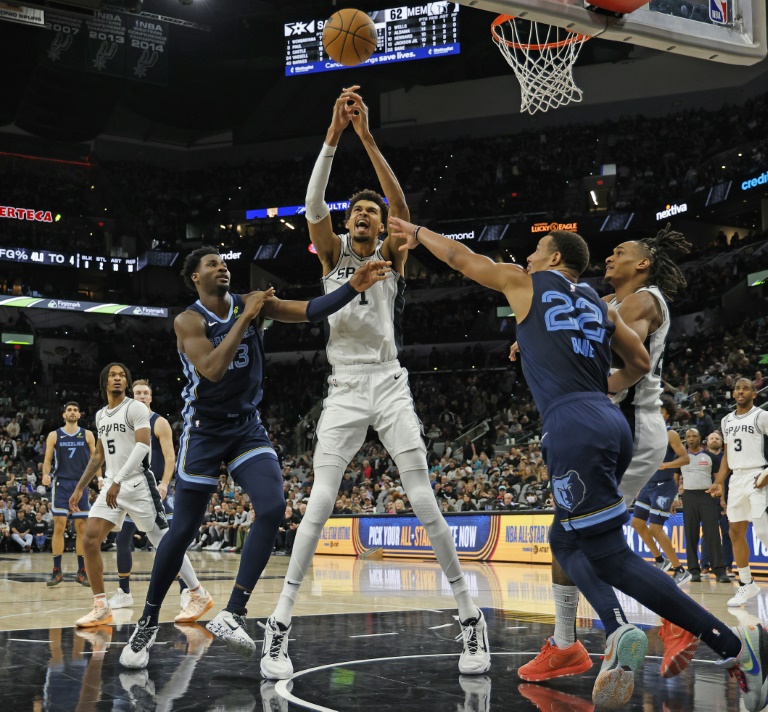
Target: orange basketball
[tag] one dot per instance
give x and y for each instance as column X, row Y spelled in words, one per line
column 349, row 37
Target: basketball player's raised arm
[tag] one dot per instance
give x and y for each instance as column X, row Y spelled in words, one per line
column 213, row 362
column 50, row 444
column 503, row 277
column 626, row 343
column 92, row 469
column 678, row 448
column 165, row 436
column 390, row 186
column 315, row 310
column 317, row 212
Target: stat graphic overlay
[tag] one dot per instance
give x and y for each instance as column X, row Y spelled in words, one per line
column 405, row 33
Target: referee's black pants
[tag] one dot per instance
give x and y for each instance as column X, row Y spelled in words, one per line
column 702, row 510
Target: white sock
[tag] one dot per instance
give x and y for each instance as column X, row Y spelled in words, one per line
column 100, row 599
column 745, row 575
column 566, row 604
column 464, row 602
column 284, row 609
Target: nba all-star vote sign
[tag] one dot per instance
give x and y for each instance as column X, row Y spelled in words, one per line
column 519, row 537
column 110, row 43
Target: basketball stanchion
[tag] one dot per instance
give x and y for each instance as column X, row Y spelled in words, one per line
column 542, row 57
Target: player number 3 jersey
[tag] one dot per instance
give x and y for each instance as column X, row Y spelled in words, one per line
column 117, row 432
column 368, row 329
column 745, row 438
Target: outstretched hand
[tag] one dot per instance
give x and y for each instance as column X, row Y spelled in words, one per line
column 400, row 229
column 371, row 272
column 514, row 350
column 344, row 108
column 254, row 301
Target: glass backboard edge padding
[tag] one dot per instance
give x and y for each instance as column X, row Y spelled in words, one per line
column 649, row 29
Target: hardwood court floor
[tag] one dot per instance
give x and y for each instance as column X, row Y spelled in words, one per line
column 367, row 635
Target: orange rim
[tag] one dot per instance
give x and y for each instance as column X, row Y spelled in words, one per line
column 501, row 19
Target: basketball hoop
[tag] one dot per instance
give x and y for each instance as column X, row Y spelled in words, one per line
column 542, row 57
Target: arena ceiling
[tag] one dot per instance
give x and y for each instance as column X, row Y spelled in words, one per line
column 225, row 78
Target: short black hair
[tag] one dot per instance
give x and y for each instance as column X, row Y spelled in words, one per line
column 572, row 248
column 746, row 380
column 105, row 375
column 192, row 264
column 69, row 403
column 669, row 405
column 374, row 197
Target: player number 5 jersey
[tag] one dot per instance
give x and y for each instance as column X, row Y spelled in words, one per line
column 117, row 432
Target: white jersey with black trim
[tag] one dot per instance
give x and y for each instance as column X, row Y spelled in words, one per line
column 368, row 329
column 117, row 431
column 746, row 437
column 647, row 391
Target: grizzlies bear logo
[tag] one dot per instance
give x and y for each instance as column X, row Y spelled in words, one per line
column 568, row 490
column 662, row 502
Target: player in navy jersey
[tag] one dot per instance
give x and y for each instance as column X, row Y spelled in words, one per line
column 220, row 343
column 67, row 451
column 566, row 334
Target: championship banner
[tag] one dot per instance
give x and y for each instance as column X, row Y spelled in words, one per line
column 147, row 54
column 106, row 48
column 65, row 45
column 80, row 306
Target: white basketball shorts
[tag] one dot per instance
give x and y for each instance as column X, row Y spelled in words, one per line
column 649, row 433
column 745, row 503
column 135, row 499
column 376, row 395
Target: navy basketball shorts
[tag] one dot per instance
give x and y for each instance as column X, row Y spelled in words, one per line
column 61, row 492
column 206, row 444
column 587, row 446
column 654, row 503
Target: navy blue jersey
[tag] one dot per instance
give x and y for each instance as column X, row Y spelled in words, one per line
column 239, row 392
column 669, row 455
column 70, row 454
column 564, row 339
column 158, row 459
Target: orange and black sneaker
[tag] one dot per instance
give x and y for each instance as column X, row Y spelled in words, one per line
column 679, row 647
column 548, row 700
column 55, row 579
column 554, row 662
column 82, row 578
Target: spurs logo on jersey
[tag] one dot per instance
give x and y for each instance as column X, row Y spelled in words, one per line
column 116, row 429
column 647, row 391
column 745, row 439
column 368, row 329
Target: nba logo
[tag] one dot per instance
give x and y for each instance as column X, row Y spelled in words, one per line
column 718, row 11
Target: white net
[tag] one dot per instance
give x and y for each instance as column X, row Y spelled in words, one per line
column 542, row 58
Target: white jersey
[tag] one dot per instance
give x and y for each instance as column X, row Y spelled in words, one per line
column 368, row 329
column 745, row 437
column 647, row 391
column 117, row 431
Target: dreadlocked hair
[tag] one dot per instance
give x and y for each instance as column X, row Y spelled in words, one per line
column 664, row 272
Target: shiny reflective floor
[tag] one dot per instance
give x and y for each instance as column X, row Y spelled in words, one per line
column 374, row 635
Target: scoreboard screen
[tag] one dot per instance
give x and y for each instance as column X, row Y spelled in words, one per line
column 405, row 33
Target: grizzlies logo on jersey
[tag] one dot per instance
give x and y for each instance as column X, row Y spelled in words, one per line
column 568, row 490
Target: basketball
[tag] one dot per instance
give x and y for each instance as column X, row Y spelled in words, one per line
column 349, row 37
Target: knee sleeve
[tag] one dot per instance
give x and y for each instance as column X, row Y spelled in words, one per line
column 329, row 469
column 413, row 474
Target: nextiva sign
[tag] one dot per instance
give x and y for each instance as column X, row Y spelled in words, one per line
column 671, row 210
column 754, row 182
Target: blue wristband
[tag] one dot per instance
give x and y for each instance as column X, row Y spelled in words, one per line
column 321, row 308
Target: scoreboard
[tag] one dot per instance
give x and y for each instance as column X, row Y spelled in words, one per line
column 405, row 33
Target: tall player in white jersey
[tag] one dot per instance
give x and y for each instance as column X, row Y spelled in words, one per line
column 368, row 387
column 644, row 276
column 129, row 488
column 745, row 456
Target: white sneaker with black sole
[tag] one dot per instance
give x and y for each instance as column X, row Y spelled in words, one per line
column 135, row 654
column 230, row 627
column 275, row 663
column 746, row 591
column 475, row 659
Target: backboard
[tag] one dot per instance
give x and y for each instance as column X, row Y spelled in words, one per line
column 730, row 31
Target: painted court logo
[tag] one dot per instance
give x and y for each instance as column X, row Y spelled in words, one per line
column 568, row 490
